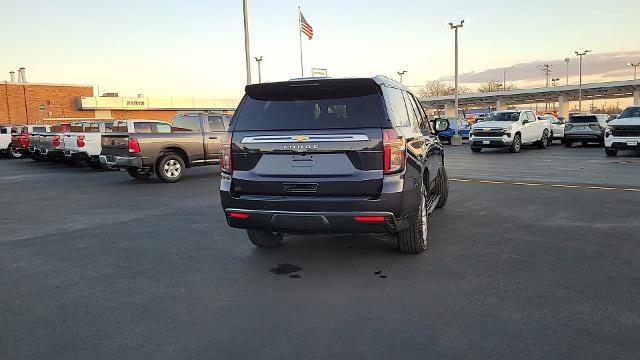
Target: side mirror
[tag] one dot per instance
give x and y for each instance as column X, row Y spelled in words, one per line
column 441, row 125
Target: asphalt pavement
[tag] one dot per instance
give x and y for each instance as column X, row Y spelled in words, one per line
column 535, row 256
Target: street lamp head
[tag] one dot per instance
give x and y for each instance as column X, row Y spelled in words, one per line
column 258, row 59
column 567, row 60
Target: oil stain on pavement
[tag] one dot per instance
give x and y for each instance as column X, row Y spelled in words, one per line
column 287, row 269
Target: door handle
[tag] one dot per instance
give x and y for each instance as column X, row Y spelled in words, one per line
column 213, row 137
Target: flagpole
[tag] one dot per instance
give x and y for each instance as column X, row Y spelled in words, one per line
column 300, row 33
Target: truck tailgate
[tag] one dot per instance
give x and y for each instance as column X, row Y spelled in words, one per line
column 115, row 144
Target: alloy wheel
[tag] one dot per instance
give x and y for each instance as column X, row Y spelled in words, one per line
column 172, row 169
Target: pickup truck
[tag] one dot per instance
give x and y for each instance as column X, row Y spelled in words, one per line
column 194, row 140
column 623, row 133
column 510, row 129
column 19, row 146
column 463, row 129
column 5, row 138
column 82, row 144
column 51, row 144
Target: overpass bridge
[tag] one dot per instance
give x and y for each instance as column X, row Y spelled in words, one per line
column 560, row 94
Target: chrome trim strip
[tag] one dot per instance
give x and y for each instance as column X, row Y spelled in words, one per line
column 308, row 138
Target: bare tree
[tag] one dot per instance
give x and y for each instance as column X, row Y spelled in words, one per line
column 441, row 88
column 492, row 85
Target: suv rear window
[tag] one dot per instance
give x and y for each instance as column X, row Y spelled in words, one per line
column 310, row 106
column 583, row 119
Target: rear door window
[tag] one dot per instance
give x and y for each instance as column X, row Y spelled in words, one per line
column 186, row 123
column 163, row 128
column 143, row 127
column 215, row 123
column 332, row 104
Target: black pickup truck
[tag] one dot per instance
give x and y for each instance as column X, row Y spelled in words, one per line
column 194, row 139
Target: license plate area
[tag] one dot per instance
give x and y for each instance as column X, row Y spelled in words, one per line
column 632, row 143
column 486, row 142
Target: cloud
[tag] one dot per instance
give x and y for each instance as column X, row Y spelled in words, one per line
column 611, row 65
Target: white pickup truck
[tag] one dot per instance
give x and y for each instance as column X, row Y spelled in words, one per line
column 510, row 129
column 623, row 133
column 5, row 138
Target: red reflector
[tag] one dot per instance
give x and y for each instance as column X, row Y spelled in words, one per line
column 369, row 218
column 236, row 215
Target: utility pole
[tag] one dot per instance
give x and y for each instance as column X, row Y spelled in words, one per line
column 400, row 73
column 246, row 40
column 635, row 70
column 581, row 54
column 504, row 77
column 546, row 71
column 456, row 139
column 259, row 60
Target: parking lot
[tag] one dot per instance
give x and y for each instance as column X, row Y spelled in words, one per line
column 536, row 255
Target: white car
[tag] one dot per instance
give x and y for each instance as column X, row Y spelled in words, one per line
column 623, row 133
column 510, row 129
column 557, row 127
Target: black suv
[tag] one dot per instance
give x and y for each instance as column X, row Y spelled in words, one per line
column 332, row 155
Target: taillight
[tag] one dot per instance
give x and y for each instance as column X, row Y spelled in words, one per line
column 24, row 141
column 394, row 151
column 238, row 215
column 80, row 141
column 56, row 141
column 369, row 218
column 133, row 145
column 225, row 154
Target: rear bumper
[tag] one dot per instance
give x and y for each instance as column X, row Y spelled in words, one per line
column 55, row 154
column 121, row 161
column 583, row 137
column 321, row 214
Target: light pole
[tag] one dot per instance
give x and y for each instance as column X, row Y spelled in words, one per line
column 566, row 60
column 635, row 70
column 504, row 77
column 246, row 40
column 400, row 73
column 259, row 60
column 456, row 139
column 581, row 54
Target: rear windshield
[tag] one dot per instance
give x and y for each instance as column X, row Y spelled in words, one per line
column 583, row 119
column 503, row 116
column 309, row 107
column 630, row 112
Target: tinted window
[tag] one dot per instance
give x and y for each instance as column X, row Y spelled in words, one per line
column 3, row 131
column 581, row 119
column 108, row 127
column 40, row 129
column 91, row 128
column 398, row 107
column 186, row 123
column 503, row 116
column 76, row 128
column 120, row 126
column 308, row 108
column 215, row 123
column 163, row 128
column 142, row 127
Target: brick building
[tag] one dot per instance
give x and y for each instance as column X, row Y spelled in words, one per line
column 31, row 103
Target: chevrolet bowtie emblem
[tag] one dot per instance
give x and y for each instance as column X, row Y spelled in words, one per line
column 300, row 138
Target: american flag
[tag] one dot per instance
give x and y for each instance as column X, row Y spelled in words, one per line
column 305, row 28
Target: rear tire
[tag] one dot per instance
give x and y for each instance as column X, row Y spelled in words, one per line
column 443, row 188
column 262, row 238
column 544, row 140
column 611, row 152
column 567, row 143
column 139, row 173
column 414, row 239
column 170, row 168
column 476, row 149
column 516, row 145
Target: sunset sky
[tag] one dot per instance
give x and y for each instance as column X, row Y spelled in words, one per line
column 196, row 49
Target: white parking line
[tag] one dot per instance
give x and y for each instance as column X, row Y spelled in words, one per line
column 565, row 186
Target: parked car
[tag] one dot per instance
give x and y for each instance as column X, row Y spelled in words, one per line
column 5, row 139
column 623, row 133
column 195, row 139
column 463, row 129
column 19, row 146
column 332, row 155
column 51, row 144
column 557, row 127
column 585, row 129
column 510, row 129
